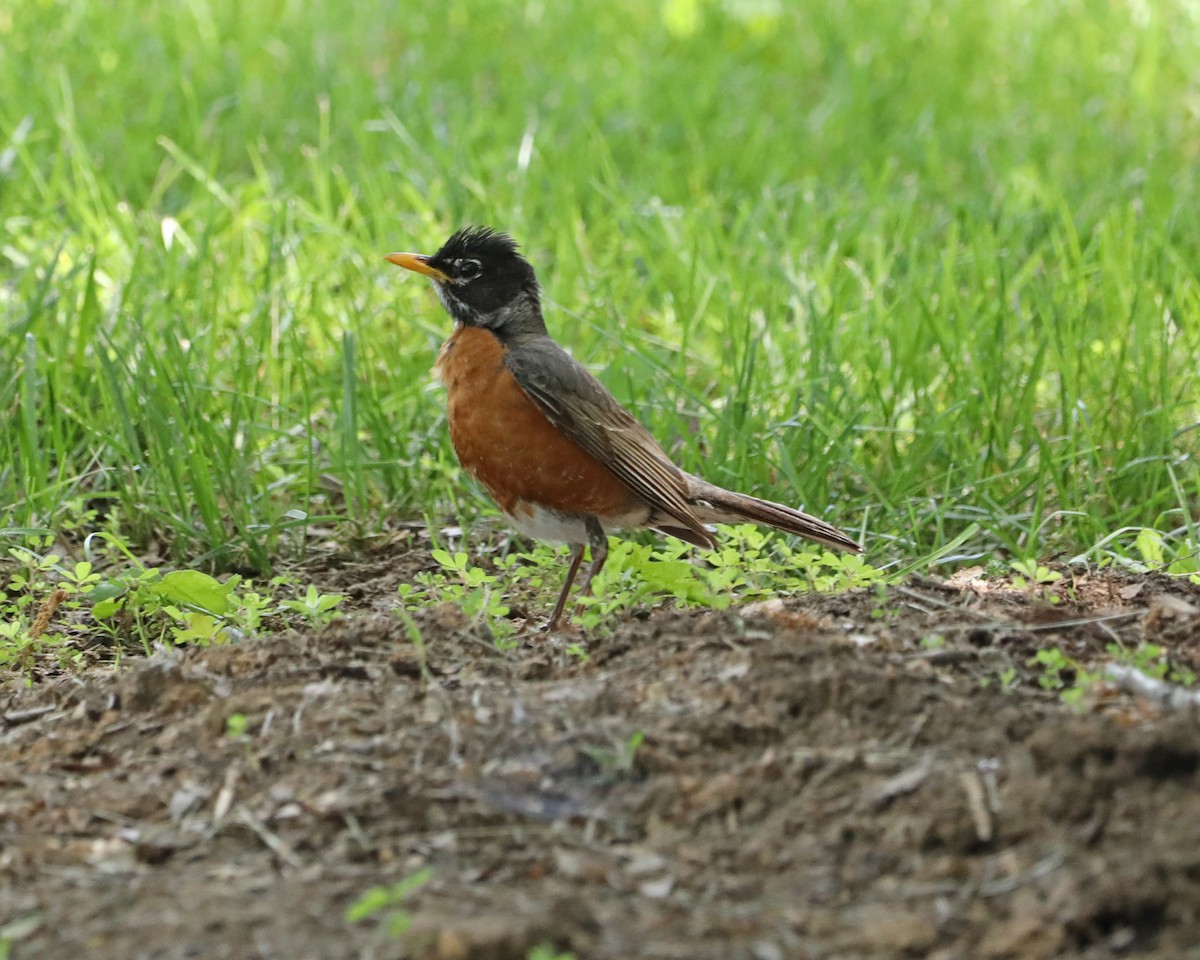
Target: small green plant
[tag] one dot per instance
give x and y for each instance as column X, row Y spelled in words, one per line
column 184, row 606
column 386, row 903
column 1037, row 579
column 634, row 572
column 459, row 581
column 317, row 608
column 1152, row 550
column 750, row 564
column 1059, row 672
column 49, row 602
column 1033, row 571
column 1172, row 555
column 1057, row 669
column 40, row 607
column 618, row 761
column 236, row 725
column 544, row 951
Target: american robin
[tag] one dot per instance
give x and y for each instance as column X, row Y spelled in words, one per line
column 559, row 455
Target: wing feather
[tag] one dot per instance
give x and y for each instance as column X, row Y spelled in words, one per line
column 579, row 405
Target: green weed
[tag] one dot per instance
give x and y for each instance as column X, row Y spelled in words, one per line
column 317, row 608
column 1037, row 579
column 51, row 608
column 617, row 761
column 1060, row 673
column 236, row 725
column 386, row 904
column 544, row 952
column 749, row 564
column 472, row 588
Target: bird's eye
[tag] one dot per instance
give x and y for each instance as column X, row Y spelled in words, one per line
column 468, row 269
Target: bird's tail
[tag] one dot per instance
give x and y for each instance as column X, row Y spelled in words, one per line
column 713, row 504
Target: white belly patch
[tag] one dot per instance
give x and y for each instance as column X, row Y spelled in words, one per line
column 539, row 523
column 550, row 525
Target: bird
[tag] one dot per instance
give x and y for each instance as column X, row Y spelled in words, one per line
column 560, row 456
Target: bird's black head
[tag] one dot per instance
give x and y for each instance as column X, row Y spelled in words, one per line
column 482, row 280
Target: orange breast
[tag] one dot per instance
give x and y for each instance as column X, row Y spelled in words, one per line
column 509, row 446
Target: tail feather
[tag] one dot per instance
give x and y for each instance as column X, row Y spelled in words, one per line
column 713, row 504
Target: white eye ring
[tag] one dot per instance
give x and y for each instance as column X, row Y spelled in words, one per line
column 468, row 269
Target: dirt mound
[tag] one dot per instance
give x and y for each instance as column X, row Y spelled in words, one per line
column 816, row 778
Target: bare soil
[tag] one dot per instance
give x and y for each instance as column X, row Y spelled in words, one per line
column 816, row 777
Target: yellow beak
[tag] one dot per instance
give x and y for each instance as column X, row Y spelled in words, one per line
column 418, row 263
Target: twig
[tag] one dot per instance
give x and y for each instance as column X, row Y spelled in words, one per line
column 946, row 656
column 904, row 782
column 1047, row 865
column 935, row 601
column 277, row 844
column 977, row 803
column 1032, row 628
column 1169, row 696
column 225, row 794
column 1040, row 627
column 14, row 717
column 1078, row 622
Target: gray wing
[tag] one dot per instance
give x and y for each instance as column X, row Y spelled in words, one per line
column 580, row 406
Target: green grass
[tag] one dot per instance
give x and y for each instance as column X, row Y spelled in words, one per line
column 911, row 265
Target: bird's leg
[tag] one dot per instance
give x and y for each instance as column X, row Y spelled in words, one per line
column 598, row 541
column 576, row 559
column 599, row 544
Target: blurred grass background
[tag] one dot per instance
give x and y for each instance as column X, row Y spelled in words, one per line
column 911, row 265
